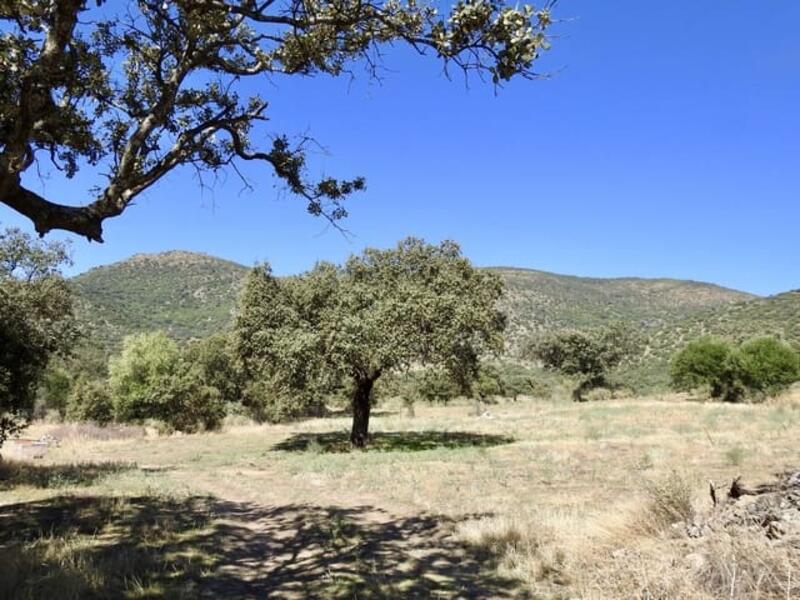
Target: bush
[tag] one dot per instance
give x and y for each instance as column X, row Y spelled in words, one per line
column 588, row 355
column 708, row 362
column 763, row 366
column 215, row 360
column 267, row 402
column 150, row 380
column 54, row 390
column 89, row 400
column 189, row 405
column 768, row 366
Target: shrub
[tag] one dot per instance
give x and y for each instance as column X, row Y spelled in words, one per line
column 150, row 380
column 588, row 355
column 708, row 362
column 215, row 361
column 768, row 366
column 187, row 404
column 267, row 402
column 89, row 400
column 54, row 390
column 763, row 366
column 669, row 501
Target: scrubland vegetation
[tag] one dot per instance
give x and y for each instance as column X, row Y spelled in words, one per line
column 362, row 432
column 401, row 425
column 536, row 498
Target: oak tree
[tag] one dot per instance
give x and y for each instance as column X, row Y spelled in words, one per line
column 587, row 355
column 390, row 310
column 134, row 90
column 36, row 321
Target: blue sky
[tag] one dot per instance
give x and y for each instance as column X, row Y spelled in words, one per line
column 665, row 143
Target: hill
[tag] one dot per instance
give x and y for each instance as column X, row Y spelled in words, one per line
column 193, row 295
column 184, row 293
column 541, row 301
column 777, row 316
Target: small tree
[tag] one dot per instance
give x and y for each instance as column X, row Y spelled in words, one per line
column 149, row 380
column 708, row 362
column 138, row 375
column 383, row 311
column 768, row 366
column 54, row 390
column 89, row 400
column 216, row 365
column 588, row 355
column 36, row 321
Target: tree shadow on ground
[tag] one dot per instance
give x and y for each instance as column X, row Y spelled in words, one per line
column 15, row 473
column 391, row 441
column 198, row 547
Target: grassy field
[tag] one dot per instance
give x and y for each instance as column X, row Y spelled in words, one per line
column 530, row 500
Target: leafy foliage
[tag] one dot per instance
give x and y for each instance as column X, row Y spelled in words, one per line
column 90, row 400
column 383, row 311
column 710, row 362
column 54, row 389
column 150, row 380
column 140, row 92
column 36, row 321
column 214, row 361
column 768, row 365
column 588, row 355
column 761, row 366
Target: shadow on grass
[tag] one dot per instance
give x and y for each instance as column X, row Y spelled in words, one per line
column 198, row 547
column 391, row 441
column 19, row 473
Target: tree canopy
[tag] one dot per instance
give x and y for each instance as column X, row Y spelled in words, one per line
column 760, row 367
column 586, row 354
column 134, row 90
column 36, row 321
column 383, row 310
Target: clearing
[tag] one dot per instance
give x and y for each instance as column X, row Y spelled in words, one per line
column 536, row 499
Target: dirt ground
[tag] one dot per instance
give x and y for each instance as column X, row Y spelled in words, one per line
column 511, row 504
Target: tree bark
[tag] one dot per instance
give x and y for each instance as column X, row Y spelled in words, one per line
column 579, row 393
column 361, row 408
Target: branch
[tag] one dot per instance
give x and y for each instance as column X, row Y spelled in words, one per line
column 46, row 216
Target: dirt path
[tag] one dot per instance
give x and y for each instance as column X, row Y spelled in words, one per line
column 358, row 552
column 328, row 551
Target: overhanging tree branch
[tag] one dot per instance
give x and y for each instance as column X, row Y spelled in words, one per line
column 145, row 92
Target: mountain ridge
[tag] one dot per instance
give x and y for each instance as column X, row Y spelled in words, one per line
column 193, row 294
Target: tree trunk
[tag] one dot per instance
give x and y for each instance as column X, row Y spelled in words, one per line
column 361, row 408
column 578, row 394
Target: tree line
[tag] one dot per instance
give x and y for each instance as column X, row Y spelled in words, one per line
column 416, row 321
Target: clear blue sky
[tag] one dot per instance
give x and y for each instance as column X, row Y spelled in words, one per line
column 666, row 143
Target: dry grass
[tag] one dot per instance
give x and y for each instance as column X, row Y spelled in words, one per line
column 549, row 499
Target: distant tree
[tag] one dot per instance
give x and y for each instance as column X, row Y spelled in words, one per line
column 519, row 381
column 434, row 385
column 768, row 366
column 214, row 359
column 136, row 376
column 89, row 400
column 54, row 389
column 588, row 355
column 708, row 362
column 489, row 383
column 36, row 322
column 135, row 90
column 150, row 380
column 383, row 311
